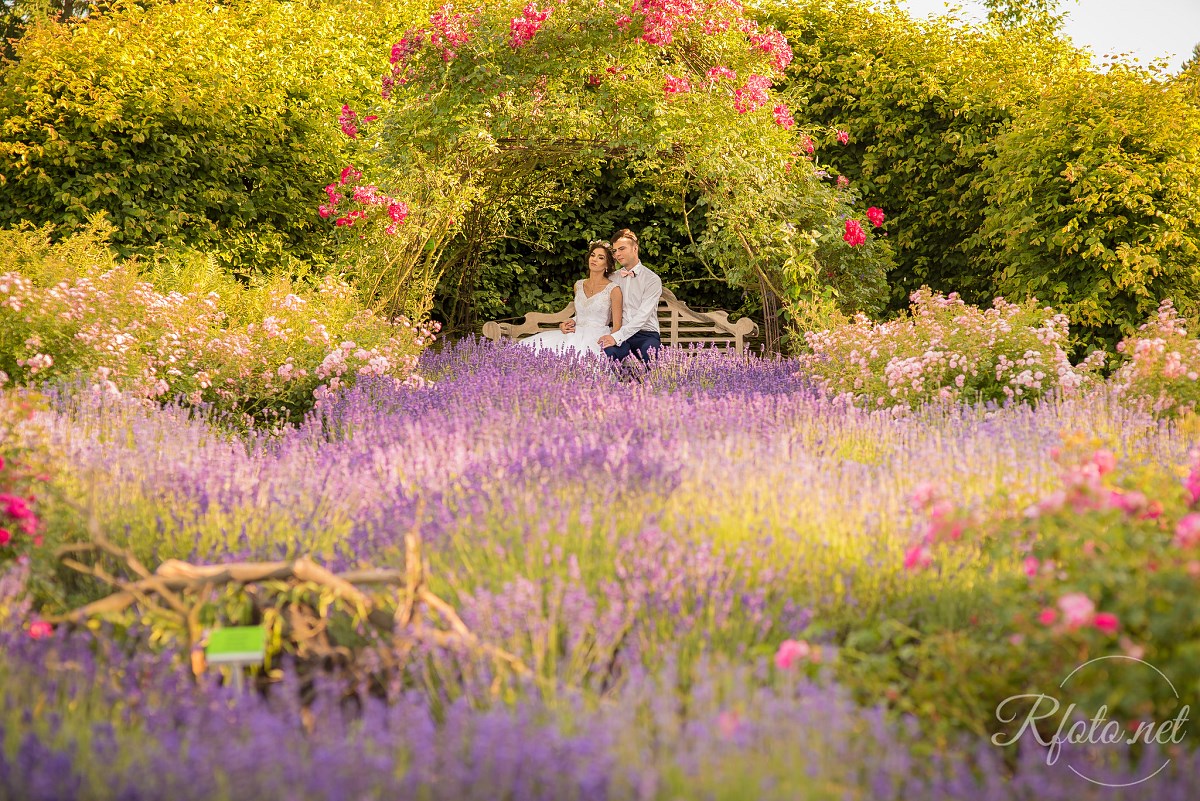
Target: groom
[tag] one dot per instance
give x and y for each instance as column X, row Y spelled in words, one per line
column 640, row 291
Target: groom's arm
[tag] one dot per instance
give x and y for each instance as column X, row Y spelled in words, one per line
column 637, row 316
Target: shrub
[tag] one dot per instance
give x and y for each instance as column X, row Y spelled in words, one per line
column 923, row 102
column 946, row 351
column 1162, row 373
column 267, row 351
column 189, row 123
column 1098, row 568
column 1094, row 203
column 509, row 102
column 20, row 524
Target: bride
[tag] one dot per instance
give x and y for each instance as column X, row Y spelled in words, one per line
column 597, row 304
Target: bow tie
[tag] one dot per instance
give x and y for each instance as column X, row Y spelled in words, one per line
column 626, row 273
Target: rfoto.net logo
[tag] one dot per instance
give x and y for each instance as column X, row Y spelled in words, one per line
column 1096, row 730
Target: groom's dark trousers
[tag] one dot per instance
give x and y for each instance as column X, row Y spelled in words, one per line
column 641, row 344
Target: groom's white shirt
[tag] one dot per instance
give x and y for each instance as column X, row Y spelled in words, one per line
column 640, row 293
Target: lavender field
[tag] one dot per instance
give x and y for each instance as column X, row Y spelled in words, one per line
column 712, row 583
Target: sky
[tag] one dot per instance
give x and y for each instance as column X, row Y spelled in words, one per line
column 1146, row 29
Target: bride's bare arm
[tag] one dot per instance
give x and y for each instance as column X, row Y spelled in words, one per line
column 568, row 325
column 616, row 307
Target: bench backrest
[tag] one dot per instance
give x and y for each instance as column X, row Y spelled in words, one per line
column 678, row 325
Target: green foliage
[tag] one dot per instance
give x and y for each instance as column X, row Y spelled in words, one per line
column 533, row 266
column 1099, row 546
column 923, row 102
column 1016, row 13
column 1007, row 164
column 588, row 92
column 188, row 123
column 1093, row 204
column 946, row 351
column 183, row 328
column 1161, row 373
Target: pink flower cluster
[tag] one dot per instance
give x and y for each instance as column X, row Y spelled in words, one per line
column 775, row 45
column 662, row 18
column 403, row 66
column 792, row 653
column 1162, row 373
column 843, row 137
column 673, row 85
column 716, row 74
column 367, row 196
column 943, row 524
column 1084, row 489
column 348, row 119
column 1075, row 611
column 448, row 30
column 1187, row 531
column 783, row 117
column 523, row 28
column 854, row 234
column 944, row 351
column 752, row 95
column 875, row 216
column 16, row 513
column 17, row 500
column 125, row 336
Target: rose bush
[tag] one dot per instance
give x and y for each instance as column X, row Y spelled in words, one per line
column 947, row 351
column 509, row 102
column 265, row 353
column 1162, row 365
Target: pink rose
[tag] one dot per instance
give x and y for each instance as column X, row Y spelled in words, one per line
column 40, row 629
column 1078, row 610
column 843, row 137
column 875, row 216
column 790, row 652
column 854, row 235
column 1031, row 566
column 1106, row 622
column 1104, row 460
column 1047, row 617
column 918, row 557
column 1193, row 484
column 1187, row 531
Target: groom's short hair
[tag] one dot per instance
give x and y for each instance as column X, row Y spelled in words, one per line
column 625, row 233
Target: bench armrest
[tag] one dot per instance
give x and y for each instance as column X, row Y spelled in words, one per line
column 532, row 324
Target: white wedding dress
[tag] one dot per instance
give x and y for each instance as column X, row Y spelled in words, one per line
column 592, row 318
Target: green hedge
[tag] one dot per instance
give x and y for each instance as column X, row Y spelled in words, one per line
column 190, row 123
column 924, row 102
column 1093, row 203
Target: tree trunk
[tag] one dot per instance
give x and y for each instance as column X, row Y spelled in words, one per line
column 770, row 304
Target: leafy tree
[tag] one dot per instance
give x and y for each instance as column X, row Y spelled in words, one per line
column 1022, row 13
column 1093, row 203
column 923, row 102
column 189, row 124
column 1191, row 67
column 679, row 94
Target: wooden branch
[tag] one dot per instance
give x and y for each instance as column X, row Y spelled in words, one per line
column 174, row 577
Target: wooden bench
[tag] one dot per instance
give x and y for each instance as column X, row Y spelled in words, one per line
column 678, row 325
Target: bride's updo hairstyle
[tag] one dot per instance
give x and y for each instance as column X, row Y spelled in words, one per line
column 610, row 261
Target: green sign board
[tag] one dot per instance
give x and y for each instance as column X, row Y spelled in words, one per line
column 236, row 645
